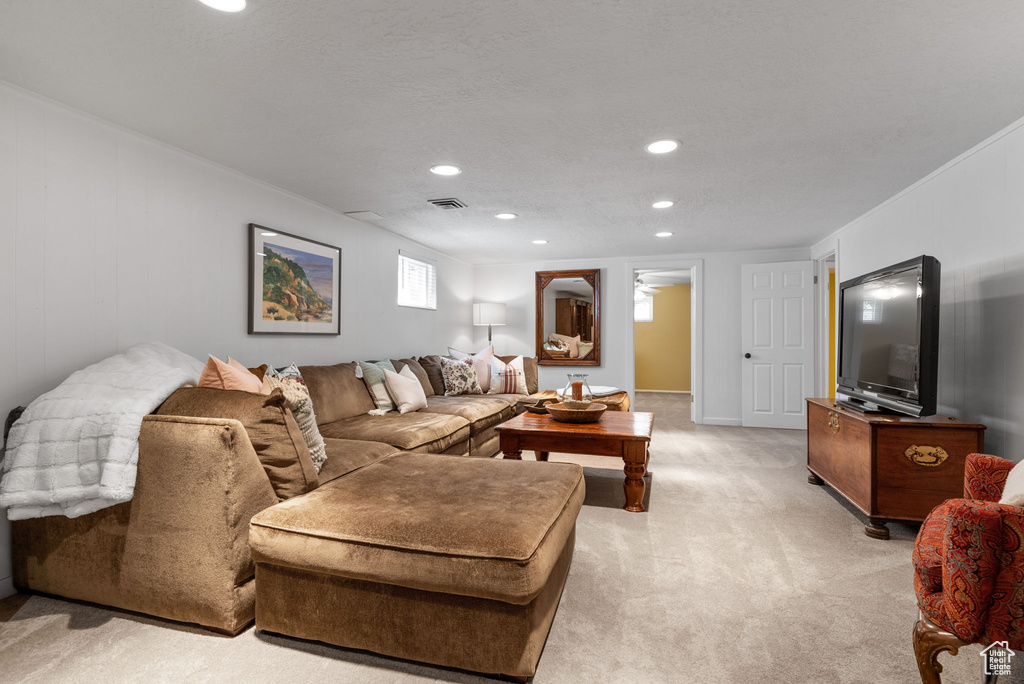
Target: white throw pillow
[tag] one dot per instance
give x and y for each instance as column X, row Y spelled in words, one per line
column 1013, row 490
column 406, row 390
column 508, row 378
column 481, row 362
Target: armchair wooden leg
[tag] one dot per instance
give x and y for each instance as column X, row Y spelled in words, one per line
column 929, row 641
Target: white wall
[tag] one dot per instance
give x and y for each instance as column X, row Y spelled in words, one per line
column 970, row 215
column 108, row 238
column 514, row 285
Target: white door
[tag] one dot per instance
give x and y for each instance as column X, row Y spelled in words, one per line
column 778, row 343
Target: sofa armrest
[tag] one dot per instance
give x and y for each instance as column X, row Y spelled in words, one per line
column 179, row 549
column 985, row 477
column 202, row 476
column 973, row 550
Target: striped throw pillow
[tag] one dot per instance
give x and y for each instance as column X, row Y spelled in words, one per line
column 507, row 378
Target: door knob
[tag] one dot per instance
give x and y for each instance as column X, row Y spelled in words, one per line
column 747, row 355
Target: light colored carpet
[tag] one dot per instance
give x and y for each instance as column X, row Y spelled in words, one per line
column 739, row 572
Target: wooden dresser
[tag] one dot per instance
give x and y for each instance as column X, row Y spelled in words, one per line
column 890, row 467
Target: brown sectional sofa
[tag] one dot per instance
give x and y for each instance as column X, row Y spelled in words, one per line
column 182, row 549
column 459, row 426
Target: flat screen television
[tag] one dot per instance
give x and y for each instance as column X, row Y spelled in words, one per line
column 889, row 339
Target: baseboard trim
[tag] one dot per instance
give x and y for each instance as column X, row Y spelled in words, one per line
column 7, row 587
column 728, row 422
column 665, row 391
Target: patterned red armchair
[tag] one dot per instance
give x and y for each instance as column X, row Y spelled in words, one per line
column 969, row 569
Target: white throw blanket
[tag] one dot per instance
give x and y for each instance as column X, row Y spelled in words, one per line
column 75, row 450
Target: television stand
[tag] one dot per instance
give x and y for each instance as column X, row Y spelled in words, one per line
column 890, row 467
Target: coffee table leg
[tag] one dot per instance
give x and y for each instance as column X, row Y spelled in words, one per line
column 541, row 455
column 509, row 445
column 635, row 455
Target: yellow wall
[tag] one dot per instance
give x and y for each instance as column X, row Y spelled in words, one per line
column 831, row 333
column 662, row 346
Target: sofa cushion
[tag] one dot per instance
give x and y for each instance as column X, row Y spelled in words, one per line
column 413, row 431
column 432, row 367
column 348, row 455
column 485, row 528
column 337, row 392
column 530, row 370
column 274, row 434
column 481, row 411
column 418, row 371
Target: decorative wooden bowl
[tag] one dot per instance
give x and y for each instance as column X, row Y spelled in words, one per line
column 567, row 415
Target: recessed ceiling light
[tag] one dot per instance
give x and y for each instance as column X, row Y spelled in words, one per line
column 662, row 146
column 664, row 204
column 225, row 5
column 665, row 234
column 269, row 234
column 540, row 242
column 445, row 170
column 506, row 215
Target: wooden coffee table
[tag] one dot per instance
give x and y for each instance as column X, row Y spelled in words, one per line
column 619, row 434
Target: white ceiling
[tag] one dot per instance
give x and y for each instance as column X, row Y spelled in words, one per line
column 794, row 117
column 661, row 278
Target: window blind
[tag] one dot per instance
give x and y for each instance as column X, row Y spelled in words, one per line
column 417, row 282
column 643, row 309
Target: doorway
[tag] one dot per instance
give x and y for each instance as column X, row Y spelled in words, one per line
column 827, row 324
column 663, row 349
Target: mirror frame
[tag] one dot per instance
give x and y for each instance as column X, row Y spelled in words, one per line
column 544, row 278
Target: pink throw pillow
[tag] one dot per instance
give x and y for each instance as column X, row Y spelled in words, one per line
column 230, row 376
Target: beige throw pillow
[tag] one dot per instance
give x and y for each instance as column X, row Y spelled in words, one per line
column 296, row 395
column 405, row 389
column 572, row 343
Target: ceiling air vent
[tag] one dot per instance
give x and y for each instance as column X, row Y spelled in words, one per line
column 448, row 203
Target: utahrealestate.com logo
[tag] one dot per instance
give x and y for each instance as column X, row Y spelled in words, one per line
column 997, row 658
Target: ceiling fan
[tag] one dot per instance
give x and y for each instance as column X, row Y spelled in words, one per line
column 642, row 289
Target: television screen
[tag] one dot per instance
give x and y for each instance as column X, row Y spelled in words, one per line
column 881, row 332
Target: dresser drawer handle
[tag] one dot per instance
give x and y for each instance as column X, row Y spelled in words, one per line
column 833, row 421
column 926, row 455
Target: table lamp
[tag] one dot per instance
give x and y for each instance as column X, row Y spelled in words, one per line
column 488, row 314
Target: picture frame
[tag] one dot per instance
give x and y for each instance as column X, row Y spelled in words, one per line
column 294, row 284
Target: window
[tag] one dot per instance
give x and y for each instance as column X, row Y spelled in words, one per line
column 417, row 282
column 871, row 311
column 643, row 308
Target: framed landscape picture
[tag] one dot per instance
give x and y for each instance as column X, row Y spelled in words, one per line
column 294, row 284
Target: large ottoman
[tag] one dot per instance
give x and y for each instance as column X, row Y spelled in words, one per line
column 432, row 558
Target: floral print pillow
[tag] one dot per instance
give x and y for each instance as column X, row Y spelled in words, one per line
column 459, row 377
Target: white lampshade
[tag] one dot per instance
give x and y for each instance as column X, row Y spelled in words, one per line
column 488, row 314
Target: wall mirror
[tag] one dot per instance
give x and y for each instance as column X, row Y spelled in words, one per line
column 569, row 318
